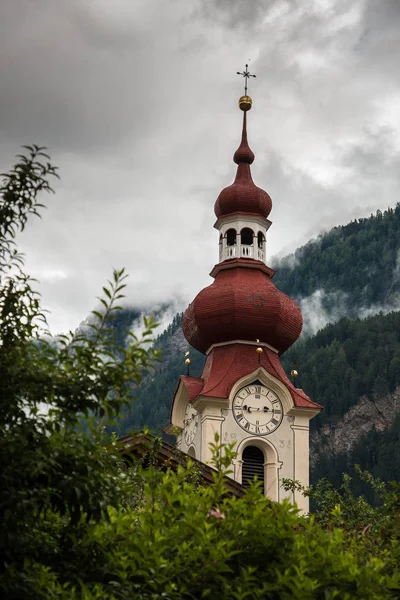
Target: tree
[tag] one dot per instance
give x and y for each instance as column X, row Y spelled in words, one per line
column 55, row 481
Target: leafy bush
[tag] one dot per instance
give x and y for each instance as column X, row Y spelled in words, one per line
column 55, row 481
column 181, row 542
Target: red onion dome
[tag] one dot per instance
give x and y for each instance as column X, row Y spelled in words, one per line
column 242, row 304
column 243, row 195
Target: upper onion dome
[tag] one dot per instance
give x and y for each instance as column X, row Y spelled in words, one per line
column 243, row 195
column 242, row 304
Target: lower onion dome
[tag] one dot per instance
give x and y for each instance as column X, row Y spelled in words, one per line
column 242, row 304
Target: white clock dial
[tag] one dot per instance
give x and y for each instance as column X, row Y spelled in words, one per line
column 191, row 423
column 257, row 409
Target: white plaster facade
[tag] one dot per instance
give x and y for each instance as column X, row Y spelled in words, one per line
column 238, row 222
column 286, row 450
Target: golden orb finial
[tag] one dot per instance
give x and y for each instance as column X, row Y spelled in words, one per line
column 188, row 362
column 245, row 103
column 259, row 351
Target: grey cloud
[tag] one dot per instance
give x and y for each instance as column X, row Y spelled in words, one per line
column 137, row 104
column 234, row 14
column 78, row 79
column 316, row 315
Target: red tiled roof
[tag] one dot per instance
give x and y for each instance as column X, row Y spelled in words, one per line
column 194, row 385
column 242, row 303
column 243, row 194
column 225, row 365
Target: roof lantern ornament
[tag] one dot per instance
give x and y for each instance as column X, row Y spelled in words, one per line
column 245, row 101
column 243, row 195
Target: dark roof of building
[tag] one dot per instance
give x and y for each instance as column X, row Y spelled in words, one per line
column 165, row 456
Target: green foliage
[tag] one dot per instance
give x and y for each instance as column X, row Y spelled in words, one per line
column 55, row 481
column 340, row 506
column 182, row 542
column 376, row 451
column 339, row 365
column 153, row 398
column 347, row 360
column 370, row 530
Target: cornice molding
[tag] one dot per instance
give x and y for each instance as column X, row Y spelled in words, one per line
column 241, row 215
column 242, row 263
column 244, row 342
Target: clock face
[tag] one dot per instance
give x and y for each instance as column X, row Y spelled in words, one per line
column 191, row 422
column 257, row 409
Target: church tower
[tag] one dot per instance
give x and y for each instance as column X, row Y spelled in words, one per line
column 243, row 324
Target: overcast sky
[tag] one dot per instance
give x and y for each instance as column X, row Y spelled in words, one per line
column 136, row 101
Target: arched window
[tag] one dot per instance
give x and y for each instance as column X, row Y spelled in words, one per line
column 260, row 240
column 231, row 237
column 246, row 236
column 253, row 465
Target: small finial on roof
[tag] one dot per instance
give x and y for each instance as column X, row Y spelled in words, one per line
column 245, row 101
column 188, row 362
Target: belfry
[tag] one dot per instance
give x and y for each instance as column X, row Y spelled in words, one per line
column 243, row 324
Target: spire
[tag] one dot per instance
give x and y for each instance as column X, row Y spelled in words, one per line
column 243, row 195
column 244, row 154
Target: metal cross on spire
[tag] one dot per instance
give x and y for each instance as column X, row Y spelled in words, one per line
column 246, row 74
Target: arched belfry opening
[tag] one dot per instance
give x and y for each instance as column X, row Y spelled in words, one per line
column 253, row 465
column 246, row 241
column 260, row 240
column 246, row 236
column 231, row 237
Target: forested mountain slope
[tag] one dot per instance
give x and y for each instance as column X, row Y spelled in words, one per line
column 360, row 260
column 351, row 367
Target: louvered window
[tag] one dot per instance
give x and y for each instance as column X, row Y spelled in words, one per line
column 253, row 464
